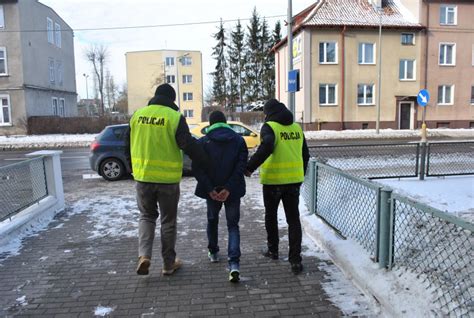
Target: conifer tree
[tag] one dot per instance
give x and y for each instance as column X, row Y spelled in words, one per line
column 236, row 64
column 266, row 63
column 253, row 52
column 269, row 75
column 219, row 88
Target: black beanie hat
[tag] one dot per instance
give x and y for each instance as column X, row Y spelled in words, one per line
column 272, row 106
column 217, row 117
column 167, row 91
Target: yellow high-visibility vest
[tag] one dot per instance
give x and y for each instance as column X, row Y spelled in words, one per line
column 285, row 164
column 156, row 156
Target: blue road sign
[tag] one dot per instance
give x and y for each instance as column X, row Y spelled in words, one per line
column 423, row 98
column 294, row 81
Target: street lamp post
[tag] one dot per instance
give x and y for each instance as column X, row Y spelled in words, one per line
column 291, row 95
column 379, row 71
column 87, row 90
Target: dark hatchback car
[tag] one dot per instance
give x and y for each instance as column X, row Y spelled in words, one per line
column 107, row 154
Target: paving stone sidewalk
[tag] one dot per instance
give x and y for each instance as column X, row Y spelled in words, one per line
column 83, row 265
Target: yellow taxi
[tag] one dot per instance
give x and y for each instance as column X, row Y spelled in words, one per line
column 252, row 138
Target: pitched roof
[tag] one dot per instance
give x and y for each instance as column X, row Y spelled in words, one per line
column 359, row 13
column 353, row 13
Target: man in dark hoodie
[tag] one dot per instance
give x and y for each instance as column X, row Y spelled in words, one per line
column 224, row 184
column 156, row 135
column 282, row 157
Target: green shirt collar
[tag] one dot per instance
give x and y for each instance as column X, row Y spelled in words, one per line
column 217, row 125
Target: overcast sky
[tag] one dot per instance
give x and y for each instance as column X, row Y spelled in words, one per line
column 81, row 14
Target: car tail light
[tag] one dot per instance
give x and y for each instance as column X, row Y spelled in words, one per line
column 94, row 145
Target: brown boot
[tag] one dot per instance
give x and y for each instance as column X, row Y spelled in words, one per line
column 143, row 265
column 174, row 267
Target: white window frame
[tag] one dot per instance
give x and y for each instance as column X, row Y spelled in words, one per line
column 325, row 56
column 186, row 61
column 362, row 46
column 406, row 33
column 444, row 102
column 54, row 108
column 365, row 95
column 57, row 34
column 447, row 7
column 404, row 78
column 188, row 113
column 187, row 96
column 59, row 70
column 169, row 78
column 169, row 61
column 446, row 44
column 4, row 49
column 52, row 71
column 62, row 107
column 326, row 86
column 50, row 30
column 2, row 120
column 2, row 18
column 187, row 79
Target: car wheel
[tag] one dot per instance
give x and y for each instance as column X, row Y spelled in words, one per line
column 112, row 169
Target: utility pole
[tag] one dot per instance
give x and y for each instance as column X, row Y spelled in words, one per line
column 291, row 95
column 379, row 70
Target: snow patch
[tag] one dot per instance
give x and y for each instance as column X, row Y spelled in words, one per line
column 22, row 301
column 103, row 311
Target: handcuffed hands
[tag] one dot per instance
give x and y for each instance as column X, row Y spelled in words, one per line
column 219, row 196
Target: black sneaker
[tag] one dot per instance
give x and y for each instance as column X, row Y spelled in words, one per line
column 296, row 268
column 267, row 253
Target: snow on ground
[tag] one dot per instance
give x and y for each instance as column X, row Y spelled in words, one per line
column 84, row 140
column 102, row 311
column 454, row 194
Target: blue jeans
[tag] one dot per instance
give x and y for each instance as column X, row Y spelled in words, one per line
column 232, row 213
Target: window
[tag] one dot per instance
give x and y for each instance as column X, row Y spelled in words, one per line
column 327, row 53
column 57, row 34
column 408, row 38
column 365, row 94
column 445, row 94
column 50, row 30
column 170, row 79
column 187, row 79
column 187, row 96
column 186, row 60
column 447, row 54
column 51, row 70
column 366, row 53
column 2, row 18
column 472, row 95
column 188, row 113
column 327, row 94
column 448, row 15
column 407, row 70
column 62, row 103
column 5, row 117
column 3, row 61
column 241, row 130
column 54, row 106
column 59, row 70
column 169, row 61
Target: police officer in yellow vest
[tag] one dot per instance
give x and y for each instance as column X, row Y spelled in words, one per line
column 157, row 133
column 282, row 157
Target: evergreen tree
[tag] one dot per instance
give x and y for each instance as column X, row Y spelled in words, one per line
column 269, row 75
column 236, row 64
column 266, row 63
column 252, row 58
column 219, row 89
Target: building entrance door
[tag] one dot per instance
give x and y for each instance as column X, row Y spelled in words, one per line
column 405, row 115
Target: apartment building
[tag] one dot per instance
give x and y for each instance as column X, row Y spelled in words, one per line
column 37, row 72
column 181, row 69
column 336, row 50
column 448, row 72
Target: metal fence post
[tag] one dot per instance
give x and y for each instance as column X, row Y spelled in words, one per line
column 422, row 160
column 385, row 227
column 315, row 182
column 312, row 172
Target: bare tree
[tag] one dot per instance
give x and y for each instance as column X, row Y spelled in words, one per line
column 122, row 100
column 111, row 91
column 97, row 55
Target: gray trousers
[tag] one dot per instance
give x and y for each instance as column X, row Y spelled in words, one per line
column 149, row 196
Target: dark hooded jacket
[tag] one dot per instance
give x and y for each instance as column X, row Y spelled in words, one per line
column 228, row 158
column 184, row 139
column 282, row 116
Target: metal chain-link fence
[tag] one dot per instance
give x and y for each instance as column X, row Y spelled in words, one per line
column 450, row 158
column 372, row 161
column 21, row 185
column 438, row 247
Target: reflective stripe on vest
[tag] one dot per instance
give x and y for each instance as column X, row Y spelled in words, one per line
column 156, row 156
column 285, row 164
